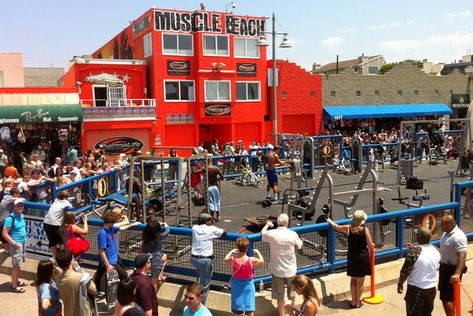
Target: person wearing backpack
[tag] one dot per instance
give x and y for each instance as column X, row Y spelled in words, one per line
column 14, row 232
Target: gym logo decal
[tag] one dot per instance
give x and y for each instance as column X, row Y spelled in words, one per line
column 246, row 70
column 218, row 110
column 119, row 145
column 178, row 67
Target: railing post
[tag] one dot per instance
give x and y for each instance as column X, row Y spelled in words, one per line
column 458, row 199
column 457, row 300
column 331, row 249
column 400, row 234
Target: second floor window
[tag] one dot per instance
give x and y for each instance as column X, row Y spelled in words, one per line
column 147, row 45
column 217, row 91
column 246, row 47
column 179, row 90
column 247, row 91
column 177, row 44
column 216, row 45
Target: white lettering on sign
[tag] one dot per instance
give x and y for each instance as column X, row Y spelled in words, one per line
column 208, row 22
column 37, row 241
column 30, row 117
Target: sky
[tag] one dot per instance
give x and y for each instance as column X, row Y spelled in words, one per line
column 50, row 32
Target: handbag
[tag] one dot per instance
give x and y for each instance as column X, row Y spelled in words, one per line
column 76, row 243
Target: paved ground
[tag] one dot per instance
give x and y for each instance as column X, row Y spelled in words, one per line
column 26, row 303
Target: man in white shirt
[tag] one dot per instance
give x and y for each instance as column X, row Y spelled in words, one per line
column 282, row 263
column 453, row 248
column 420, row 270
column 202, row 249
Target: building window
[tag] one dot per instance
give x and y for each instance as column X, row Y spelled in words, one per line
column 373, row 70
column 217, row 90
column 399, row 92
column 177, row 44
column 179, row 90
column 437, row 92
column 376, row 93
column 216, row 45
column 148, row 45
column 358, row 93
column 313, row 93
column 284, row 94
column 246, row 47
column 248, row 91
column 416, row 92
column 332, row 93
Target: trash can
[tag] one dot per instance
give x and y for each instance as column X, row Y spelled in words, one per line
column 407, row 168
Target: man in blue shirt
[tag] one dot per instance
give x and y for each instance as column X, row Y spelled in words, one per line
column 14, row 232
column 107, row 246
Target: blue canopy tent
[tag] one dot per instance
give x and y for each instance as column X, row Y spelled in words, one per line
column 385, row 111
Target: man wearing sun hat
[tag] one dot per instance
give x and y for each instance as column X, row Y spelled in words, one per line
column 14, row 232
column 145, row 290
column 420, row 271
column 202, row 249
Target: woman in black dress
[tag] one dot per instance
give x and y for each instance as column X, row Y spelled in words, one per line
column 358, row 258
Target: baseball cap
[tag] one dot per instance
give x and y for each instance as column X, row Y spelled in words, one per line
column 424, row 233
column 35, row 170
column 18, row 201
column 142, row 259
column 205, row 217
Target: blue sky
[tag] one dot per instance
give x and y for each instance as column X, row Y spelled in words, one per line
column 51, row 32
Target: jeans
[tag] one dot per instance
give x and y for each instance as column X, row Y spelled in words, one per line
column 203, row 267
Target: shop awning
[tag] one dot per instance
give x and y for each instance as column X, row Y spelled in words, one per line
column 384, row 111
column 57, row 113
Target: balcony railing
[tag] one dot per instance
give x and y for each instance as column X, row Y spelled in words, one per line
column 96, row 109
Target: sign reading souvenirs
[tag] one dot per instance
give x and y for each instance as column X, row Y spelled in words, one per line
column 64, row 113
column 460, row 100
column 218, row 110
column 246, row 70
column 119, row 145
column 178, row 67
column 199, row 21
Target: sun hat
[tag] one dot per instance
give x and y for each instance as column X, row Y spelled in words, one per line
column 18, row 201
column 205, row 217
column 359, row 218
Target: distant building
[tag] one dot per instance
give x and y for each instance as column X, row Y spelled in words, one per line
column 431, row 68
column 43, row 76
column 365, row 65
column 11, row 70
column 467, row 61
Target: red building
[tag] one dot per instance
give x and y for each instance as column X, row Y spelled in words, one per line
column 117, row 113
column 180, row 77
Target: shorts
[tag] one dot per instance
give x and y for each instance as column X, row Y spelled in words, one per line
column 52, row 232
column 17, row 255
column 277, row 288
column 272, row 176
column 445, row 287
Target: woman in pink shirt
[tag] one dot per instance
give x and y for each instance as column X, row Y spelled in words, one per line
column 243, row 288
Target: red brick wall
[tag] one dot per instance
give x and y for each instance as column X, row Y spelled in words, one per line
column 300, row 109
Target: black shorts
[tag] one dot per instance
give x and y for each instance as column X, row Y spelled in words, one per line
column 54, row 237
column 445, row 287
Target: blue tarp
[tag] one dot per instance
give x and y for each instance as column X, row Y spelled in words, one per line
column 385, row 110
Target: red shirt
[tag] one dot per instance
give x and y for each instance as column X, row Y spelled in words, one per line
column 11, row 171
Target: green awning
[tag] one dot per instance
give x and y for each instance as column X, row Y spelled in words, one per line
column 57, row 113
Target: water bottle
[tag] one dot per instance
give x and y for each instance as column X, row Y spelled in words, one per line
column 261, row 286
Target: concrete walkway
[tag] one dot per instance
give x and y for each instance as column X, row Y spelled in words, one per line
column 26, row 303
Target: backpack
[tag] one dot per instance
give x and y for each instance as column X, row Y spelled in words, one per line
column 2, row 223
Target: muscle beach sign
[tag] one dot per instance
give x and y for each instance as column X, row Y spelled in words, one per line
column 209, row 22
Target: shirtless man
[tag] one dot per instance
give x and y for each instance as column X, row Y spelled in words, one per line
column 271, row 174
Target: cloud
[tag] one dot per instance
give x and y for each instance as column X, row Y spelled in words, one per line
column 459, row 14
column 332, row 42
column 432, row 47
column 349, row 30
column 401, row 45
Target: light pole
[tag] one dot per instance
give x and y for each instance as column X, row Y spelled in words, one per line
column 284, row 44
